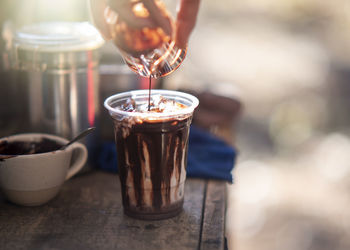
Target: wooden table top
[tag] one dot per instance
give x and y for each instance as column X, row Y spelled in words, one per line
column 88, row 214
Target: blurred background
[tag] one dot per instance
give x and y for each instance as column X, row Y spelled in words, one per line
column 288, row 62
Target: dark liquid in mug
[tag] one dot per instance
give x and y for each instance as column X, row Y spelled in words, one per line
column 28, row 147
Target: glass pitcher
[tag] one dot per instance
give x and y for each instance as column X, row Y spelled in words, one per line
column 143, row 31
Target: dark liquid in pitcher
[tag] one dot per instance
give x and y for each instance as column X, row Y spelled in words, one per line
column 149, row 51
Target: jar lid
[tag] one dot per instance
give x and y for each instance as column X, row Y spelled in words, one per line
column 58, row 37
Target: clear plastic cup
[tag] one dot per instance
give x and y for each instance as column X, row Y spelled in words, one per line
column 152, row 153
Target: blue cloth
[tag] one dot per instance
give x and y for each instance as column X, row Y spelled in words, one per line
column 208, row 156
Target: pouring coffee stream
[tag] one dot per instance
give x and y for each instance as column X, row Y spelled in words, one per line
column 149, row 93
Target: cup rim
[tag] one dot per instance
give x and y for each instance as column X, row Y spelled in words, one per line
column 35, row 135
column 179, row 96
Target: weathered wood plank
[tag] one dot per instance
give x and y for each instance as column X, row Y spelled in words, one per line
column 214, row 216
column 87, row 214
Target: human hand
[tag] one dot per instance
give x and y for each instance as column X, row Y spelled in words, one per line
column 129, row 12
column 185, row 22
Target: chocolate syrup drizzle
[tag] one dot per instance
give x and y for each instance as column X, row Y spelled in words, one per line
column 166, row 142
column 149, row 93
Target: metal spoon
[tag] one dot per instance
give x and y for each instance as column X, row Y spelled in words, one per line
column 78, row 137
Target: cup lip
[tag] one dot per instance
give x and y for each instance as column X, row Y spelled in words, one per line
column 180, row 95
column 25, row 136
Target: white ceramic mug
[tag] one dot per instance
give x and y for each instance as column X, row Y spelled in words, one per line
column 34, row 179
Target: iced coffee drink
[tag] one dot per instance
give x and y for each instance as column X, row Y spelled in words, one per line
column 152, row 140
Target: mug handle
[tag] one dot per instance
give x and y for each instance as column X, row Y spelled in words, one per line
column 79, row 161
